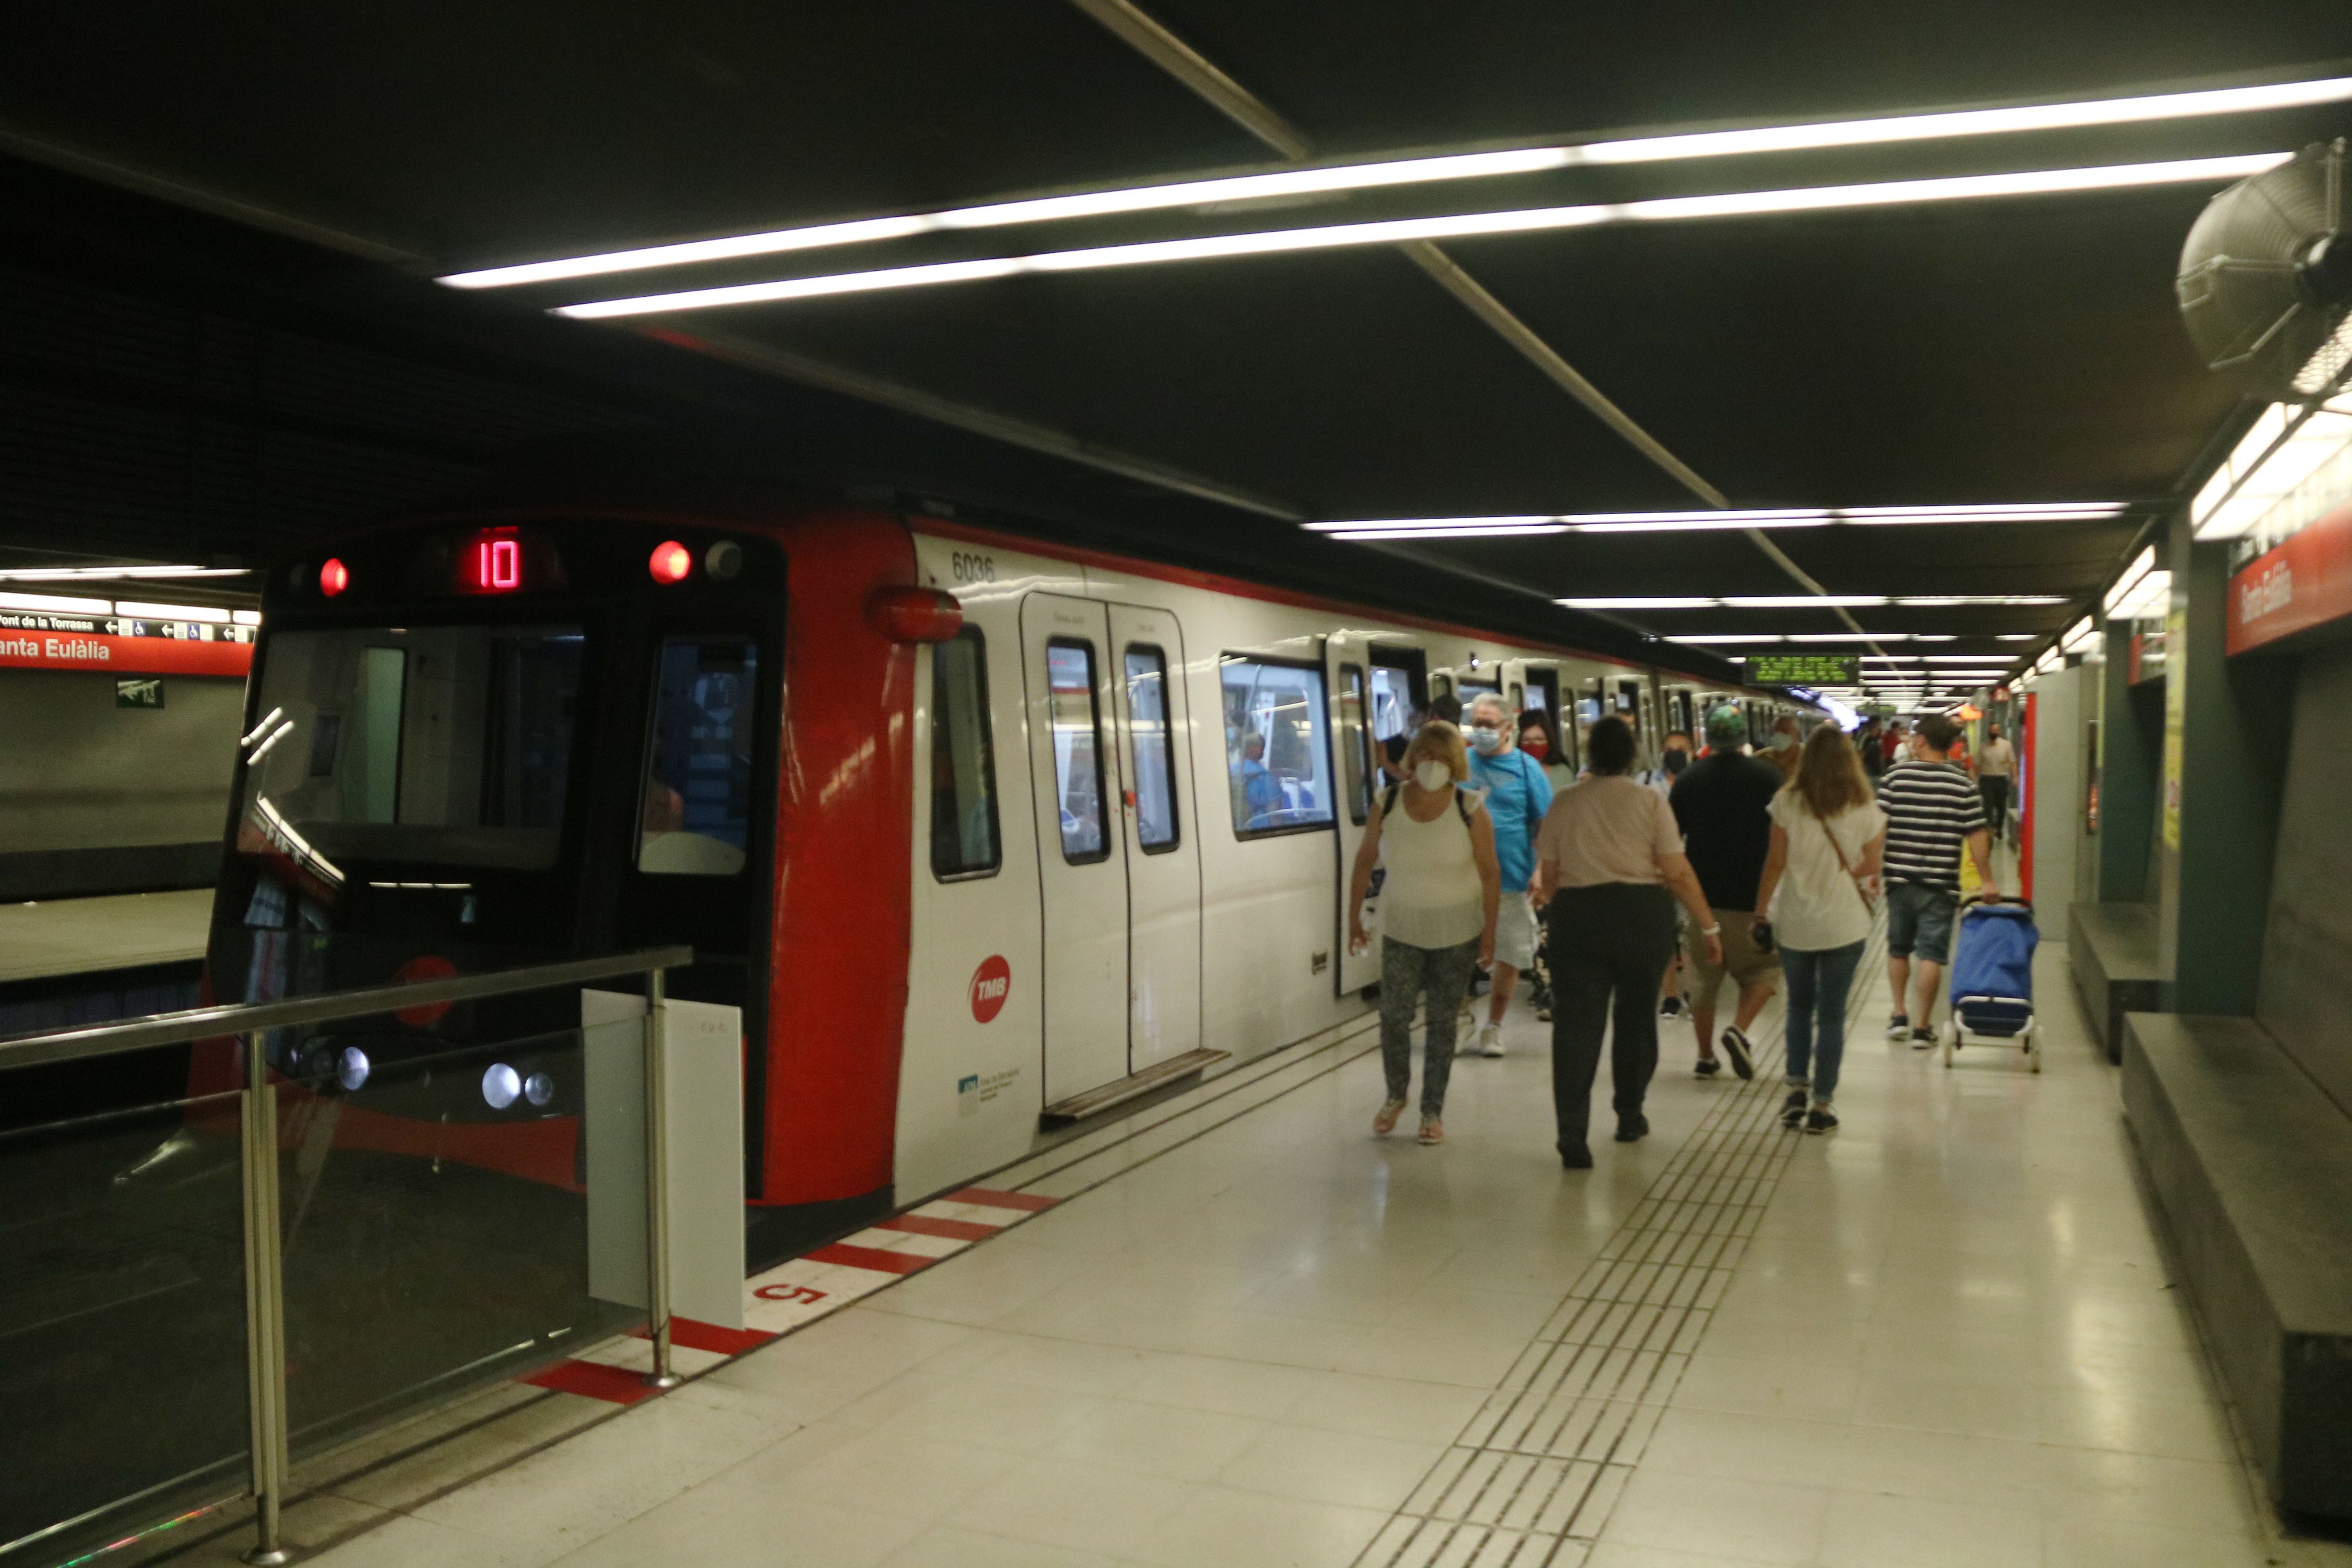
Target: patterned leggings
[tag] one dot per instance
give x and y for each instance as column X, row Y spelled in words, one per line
column 1407, row 975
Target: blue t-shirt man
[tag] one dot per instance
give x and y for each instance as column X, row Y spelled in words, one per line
column 1518, row 795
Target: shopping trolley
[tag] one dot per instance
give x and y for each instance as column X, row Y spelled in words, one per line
column 1992, row 979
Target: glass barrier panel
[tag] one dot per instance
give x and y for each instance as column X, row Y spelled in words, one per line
column 459, row 1203
column 122, row 1308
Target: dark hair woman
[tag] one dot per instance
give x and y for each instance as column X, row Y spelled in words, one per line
column 1610, row 851
column 1819, row 877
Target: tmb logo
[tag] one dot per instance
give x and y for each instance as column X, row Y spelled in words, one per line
column 990, row 983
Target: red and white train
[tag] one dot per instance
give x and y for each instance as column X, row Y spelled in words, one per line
column 983, row 835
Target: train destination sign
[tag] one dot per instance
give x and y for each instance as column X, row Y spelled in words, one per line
column 1804, row 668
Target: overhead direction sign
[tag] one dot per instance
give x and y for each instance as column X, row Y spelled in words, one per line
column 1815, row 670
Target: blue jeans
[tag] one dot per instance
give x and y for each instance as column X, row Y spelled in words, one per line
column 1818, row 980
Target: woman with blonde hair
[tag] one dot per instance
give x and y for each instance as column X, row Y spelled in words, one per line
column 1816, row 904
column 1438, row 907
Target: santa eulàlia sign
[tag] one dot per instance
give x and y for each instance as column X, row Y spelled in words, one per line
column 123, row 648
column 2303, row 582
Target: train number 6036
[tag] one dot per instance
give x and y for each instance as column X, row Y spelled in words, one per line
column 970, row 568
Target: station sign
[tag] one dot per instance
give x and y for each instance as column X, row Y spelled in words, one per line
column 2305, row 580
column 122, row 645
column 1814, row 669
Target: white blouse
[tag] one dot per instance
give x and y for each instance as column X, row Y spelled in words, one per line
column 1817, row 906
column 1432, row 896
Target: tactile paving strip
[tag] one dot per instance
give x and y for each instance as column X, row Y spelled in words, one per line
column 1531, row 1480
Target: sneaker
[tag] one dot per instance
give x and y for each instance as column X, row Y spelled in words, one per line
column 1898, row 1027
column 1670, row 1007
column 1385, row 1123
column 1633, row 1128
column 1792, row 1110
column 1577, row 1158
column 1922, row 1040
column 1489, row 1042
column 1543, row 1012
column 1706, row 1066
column 1735, row 1045
column 1821, row 1119
column 1433, row 1131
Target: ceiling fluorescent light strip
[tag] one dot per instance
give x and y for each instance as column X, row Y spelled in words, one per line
column 1777, row 517
column 1500, row 531
column 1447, row 167
column 1399, row 231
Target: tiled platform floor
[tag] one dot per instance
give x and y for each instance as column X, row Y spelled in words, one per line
column 1942, row 1335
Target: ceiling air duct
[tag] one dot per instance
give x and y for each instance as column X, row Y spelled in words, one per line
column 2265, row 281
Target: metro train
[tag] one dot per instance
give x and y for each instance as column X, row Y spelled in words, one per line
column 985, row 836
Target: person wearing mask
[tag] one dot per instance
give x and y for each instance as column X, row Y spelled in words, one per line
column 1518, row 795
column 1438, row 910
column 1932, row 809
column 1673, row 756
column 1723, row 804
column 1815, row 901
column 1610, row 862
column 1535, row 740
column 1781, row 746
column 1996, row 771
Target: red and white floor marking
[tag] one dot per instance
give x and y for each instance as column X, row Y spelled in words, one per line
column 796, row 1293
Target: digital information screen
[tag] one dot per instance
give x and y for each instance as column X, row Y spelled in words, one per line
column 1804, row 668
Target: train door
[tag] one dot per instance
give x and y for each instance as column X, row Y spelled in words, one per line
column 1348, row 673
column 1163, row 845
column 1067, row 669
column 1513, row 673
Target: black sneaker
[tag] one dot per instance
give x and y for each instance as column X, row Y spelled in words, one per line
column 1577, row 1159
column 1792, row 1111
column 1898, row 1027
column 1633, row 1128
column 1670, row 1007
column 1706, row 1067
column 1819, row 1118
column 1922, row 1040
column 1735, row 1045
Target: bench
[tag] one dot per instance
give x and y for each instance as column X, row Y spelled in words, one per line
column 2112, row 948
column 2252, row 1164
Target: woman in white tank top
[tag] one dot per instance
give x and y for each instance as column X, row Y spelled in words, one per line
column 1438, row 906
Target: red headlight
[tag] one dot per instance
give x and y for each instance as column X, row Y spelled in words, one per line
column 671, row 561
column 334, row 578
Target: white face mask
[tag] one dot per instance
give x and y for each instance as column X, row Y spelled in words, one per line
column 1432, row 775
column 1487, row 737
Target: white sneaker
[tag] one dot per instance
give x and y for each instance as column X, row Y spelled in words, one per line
column 1489, row 1042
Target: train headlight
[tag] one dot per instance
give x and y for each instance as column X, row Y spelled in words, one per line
column 670, row 562
column 539, row 1088
column 353, row 1070
column 501, row 1086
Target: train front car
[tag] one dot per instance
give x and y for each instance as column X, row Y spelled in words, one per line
column 477, row 745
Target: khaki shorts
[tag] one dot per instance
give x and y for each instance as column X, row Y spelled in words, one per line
column 1742, row 960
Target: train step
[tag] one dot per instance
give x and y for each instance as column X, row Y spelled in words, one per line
column 1118, row 1091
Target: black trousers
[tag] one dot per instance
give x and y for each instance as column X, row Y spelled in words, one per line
column 1609, row 942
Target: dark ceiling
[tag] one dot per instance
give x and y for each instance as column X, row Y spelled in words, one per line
column 2024, row 349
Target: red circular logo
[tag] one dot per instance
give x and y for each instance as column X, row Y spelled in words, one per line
column 431, row 966
column 990, row 984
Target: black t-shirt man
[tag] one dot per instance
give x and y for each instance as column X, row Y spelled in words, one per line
column 1723, row 803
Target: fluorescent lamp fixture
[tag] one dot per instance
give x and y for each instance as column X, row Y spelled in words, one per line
column 1460, row 226
column 1803, row 601
column 105, row 573
column 2327, row 362
column 2079, row 635
column 1729, row 638
column 246, row 617
column 54, row 604
column 2006, row 511
column 2125, row 584
column 171, row 612
column 2017, row 637
column 1426, row 523
column 1493, row 531
column 1447, row 167
column 2284, row 446
column 1661, row 604
column 1774, row 517
column 1947, row 600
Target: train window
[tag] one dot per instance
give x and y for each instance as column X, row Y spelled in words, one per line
column 963, row 769
column 1077, row 752
column 1469, row 691
column 1276, row 756
column 697, row 817
column 450, row 744
column 1148, row 742
column 1392, row 702
column 1355, row 742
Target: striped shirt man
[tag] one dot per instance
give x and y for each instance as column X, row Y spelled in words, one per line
column 1931, row 809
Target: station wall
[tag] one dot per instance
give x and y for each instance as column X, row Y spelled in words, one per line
column 2307, row 937
column 97, row 798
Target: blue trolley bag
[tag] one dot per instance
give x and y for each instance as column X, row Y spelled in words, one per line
column 1992, row 976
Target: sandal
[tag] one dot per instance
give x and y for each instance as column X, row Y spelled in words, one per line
column 1385, row 1123
column 1433, row 1131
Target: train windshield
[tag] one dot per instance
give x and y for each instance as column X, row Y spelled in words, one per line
column 444, row 745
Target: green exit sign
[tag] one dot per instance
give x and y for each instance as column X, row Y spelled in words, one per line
column 1804, row 668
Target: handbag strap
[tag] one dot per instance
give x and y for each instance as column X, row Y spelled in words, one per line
column 1843, row 865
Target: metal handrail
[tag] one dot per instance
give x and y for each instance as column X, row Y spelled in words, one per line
column 245, row 1017
column 260, row 1149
